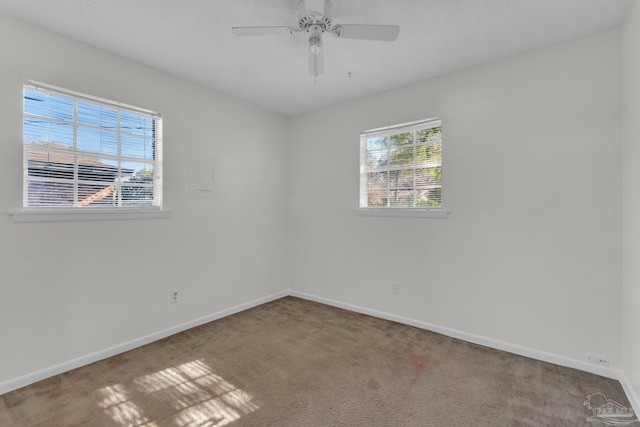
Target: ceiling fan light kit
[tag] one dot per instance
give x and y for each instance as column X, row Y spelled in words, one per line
column 315, row 19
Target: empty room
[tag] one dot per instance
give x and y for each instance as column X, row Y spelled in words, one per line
column 316, row 213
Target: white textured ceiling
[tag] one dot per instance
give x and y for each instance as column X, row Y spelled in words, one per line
column 192, row 39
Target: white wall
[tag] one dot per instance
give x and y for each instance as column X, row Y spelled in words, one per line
column 531, row 254
column 631, row 201
column 70, row 289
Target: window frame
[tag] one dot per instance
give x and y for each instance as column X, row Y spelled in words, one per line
column 73, row 209
column 389, row 211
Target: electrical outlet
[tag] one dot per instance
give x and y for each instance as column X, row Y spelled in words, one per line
column 396, row 289
column 598, row 359
column 175, row 295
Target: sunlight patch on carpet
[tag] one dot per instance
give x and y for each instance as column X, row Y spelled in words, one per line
column 117, row 405
column 196, row 395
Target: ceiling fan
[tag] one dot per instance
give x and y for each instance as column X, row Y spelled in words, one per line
column 315, row 19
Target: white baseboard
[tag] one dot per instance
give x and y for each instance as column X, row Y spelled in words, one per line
column 630, row 392
column 476, row 339
column 544, row 356
column 612, row 373
column 42, row 374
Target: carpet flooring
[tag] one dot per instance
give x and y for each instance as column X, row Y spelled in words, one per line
column 293, row 362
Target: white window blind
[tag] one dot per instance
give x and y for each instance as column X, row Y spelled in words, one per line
column 86, row 152
column 401, row 166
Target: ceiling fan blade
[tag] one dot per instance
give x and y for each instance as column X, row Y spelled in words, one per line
column 314, row 6
column 262, row 31
column 316, row 63
column 386, row 33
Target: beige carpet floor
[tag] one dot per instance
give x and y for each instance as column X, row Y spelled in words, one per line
column 292, row 362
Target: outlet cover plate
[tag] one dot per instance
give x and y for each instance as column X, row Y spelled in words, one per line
column 598, row 359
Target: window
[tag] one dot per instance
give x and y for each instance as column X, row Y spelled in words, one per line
column 401, row 167
column 86, row 153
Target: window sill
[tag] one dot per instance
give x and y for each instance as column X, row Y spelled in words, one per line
column 51, row 215
column 404, row 213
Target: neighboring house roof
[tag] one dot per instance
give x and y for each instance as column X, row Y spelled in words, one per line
column 61, row 162
column 61, row 165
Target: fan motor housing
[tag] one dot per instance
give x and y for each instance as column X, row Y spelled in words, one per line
column 310, row 17
column 306, row 21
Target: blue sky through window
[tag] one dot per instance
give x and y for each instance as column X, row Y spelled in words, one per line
column 100, row 130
